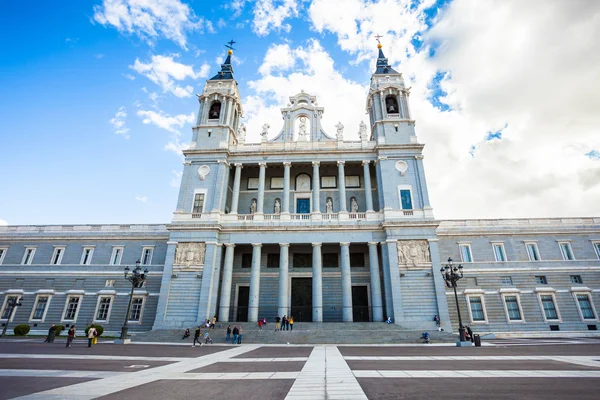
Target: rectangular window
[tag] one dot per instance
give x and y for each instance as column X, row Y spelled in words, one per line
column 512, row 307
column 330, row 260
column 532, row 251
column 28, row 256
column 198, row 203
column 72, row 306
column 352, row 181
column 136, row 309
column 115, row 257
column 252, row 184
column 585, row 305
column 357, row 260
column 276, row 183
column 328, row 182
column 86, row 257
column 499, row 252
column 272, row 260
column 57, row 255
column 109, row 283
column 103, row 308
column 302, row 260
column 247, row 260
column 40, row 308
column 549, row 307
column 576, row 279
column 596, row 247
column 7, row 311
column 541, row 280
column 147, row 255
column 465, row 252
column 406, row 199
column 506, row 280
column 566, row 251
column 2, row 254
column 477, row 313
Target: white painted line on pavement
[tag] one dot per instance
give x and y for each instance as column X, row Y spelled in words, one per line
column 476, row 374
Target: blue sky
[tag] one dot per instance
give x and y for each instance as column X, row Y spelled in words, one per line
column 66, row 73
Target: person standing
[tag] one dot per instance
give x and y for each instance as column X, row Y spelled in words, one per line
column 228, row 336
column 236, row 333
column 239, row 341
column 291, row 323
column 51, row 335
column 287, row 324
column 260, row 323
column 70, row 335
column 214, row 322
column 277, row 320
column 90, row 335
column 197, row 337
column 283, row 321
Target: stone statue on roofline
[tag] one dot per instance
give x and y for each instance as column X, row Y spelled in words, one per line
column 362, row 131
column 339, row 131
column 265, row 131
column 242, row 134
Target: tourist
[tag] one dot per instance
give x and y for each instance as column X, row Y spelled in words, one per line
column 287, row 324
column 470, row 332
column 214, row 322
column 51, row 335
column 239, row 341
column 388, row 320
column 260, row 323
column 236, row 333
column 197, row 337
column 283, row 322
column 91, row 334
column 207, row 338
column 228, row 336
column 436, row 318
column 186, row 334
column 277, row 320
column 291, row 320
column 70, row 335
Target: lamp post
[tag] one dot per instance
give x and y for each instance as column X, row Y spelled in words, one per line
column 136, row 277
column 452, row 274
column 11, row 304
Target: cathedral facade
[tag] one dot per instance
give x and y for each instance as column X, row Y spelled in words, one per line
column 310, row 224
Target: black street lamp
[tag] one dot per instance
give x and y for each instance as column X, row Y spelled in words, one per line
column 137, row 278
column 11, row 304
column 451, row 275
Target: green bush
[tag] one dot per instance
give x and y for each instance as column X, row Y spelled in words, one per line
column 21, row 330
column 99, row 329
column 59, row 329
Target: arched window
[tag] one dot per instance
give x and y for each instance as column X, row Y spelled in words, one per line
column 391, row 104
column 215, row 110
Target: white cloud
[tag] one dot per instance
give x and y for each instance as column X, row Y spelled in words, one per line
column 270, row 15
column 3, row 222
column 142, row 199
column 151, row 19
column 129, row 76
column 237, row 6
column 118, row 122
column 165, row 121
column 176, row 146
column 165, row 71
column 176, row 179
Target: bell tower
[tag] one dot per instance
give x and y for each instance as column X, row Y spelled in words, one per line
column 220, row 110
column 387, row 105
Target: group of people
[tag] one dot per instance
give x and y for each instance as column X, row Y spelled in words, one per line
column 197, row 335
column 92, row 334
column 237, row 333
column 284, row 324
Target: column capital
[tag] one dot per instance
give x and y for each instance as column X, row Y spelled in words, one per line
column 391, row 241
column 317, row 244
column 366, row 162
column 287, row 164
column 284, row 245
column 341, row 162
column 419, row 157
column 317, row 163
column 344, row 243
column 171, row 242
column 262, row 164
column 229, row 244
column 256, row 244
column 373, row 243
column 222, row 162
column 239, row 165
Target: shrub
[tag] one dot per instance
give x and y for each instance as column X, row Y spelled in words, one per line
column 59, row 329
column 99, row 329
column 21, row 330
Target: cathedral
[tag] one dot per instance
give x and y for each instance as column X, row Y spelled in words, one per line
column 306, row 223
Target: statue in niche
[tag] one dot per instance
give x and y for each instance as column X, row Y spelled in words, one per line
column 265, row 131
column 329, row 205
column 242, row 133
column 413, row 252
column 339, row 131
column 189, row 254
column 362, row 131
column 302, row 129
column 253, row 206
column 215, row 110
column 277, row 207
column 353, row 205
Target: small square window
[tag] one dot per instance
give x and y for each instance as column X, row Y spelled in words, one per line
column 499, row 252
column 147, row 255
column 576, row 279
column 272, row 260
column 541, row 280
column 532, row 251
column 252, row 184
column 357, row 260
column 247, row 260
column 566, row 251
column 302, row 260
column 109, row 283
column 465, row 253
column 330, row 260
column 506, row 280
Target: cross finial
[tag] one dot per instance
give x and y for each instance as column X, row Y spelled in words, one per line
column 230, row 44
column 377, row 37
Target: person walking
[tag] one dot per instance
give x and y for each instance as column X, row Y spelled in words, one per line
column 236, row 333
column 291, row 323
column 277, row 320
column 197, row 337
column 70, row 335
column 228, row 336
column 90, row 335
column 239, row 341
column 51, row 335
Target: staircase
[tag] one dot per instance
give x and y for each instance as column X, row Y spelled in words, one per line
column 307, row 333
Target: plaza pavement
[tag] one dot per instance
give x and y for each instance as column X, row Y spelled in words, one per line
column 502, row 369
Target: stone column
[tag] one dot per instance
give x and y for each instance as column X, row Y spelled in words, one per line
column 317, row 284
column 385, row 261
column 226, row 285
column 216, row 201
column 160, row 322
column 210, row 256
column 368, row 191
column 440, row 285
column 376, row 303
column 254, row 283
column 261, row 188
column 395, row 292
column 346, row 283
column 316, row 206
column 286, row 188
column 235, row 197
column 214, row 287
column 342, row 186
column 282, row 303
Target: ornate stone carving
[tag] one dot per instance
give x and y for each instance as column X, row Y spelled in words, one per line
column 190, row 254
column 265, row 131
column 253, row 206
column 339, row 131
column 302, row 129
column 277, row 206
column 203, row 171
column 329, row 205
column 411, row 253
column 242, row 134
column 353, row 205
column 362, row 131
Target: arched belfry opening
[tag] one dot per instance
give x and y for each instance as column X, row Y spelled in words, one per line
column 214, row 112
column 302, row 128
column 391, row 104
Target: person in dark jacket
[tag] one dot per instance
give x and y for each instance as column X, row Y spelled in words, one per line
column 71, row 335
column 51, row 335
column 197, row 337
column 228, row 337
column 236, row 333
column 186, row 334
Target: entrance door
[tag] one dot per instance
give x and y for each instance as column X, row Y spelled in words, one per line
column 302, row 299
column 360, row 304
column 302, row 206
column 242, row 305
